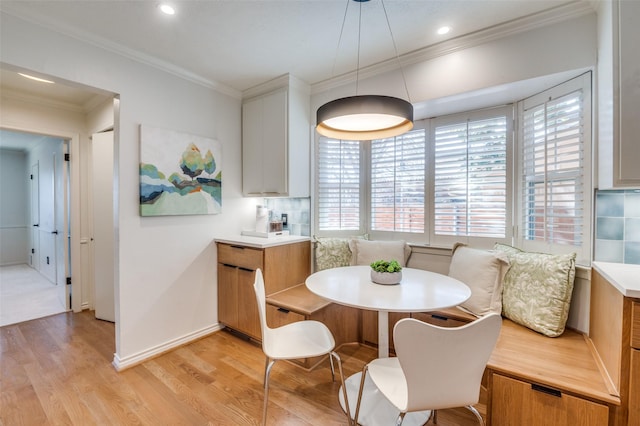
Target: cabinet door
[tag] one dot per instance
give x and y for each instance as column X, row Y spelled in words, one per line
column 634, row 388
column 517, row 403
column 228, row 295
column 274, row 149
column 248, row 317
column 252, row 147
column 629, row 149
column 264, row 145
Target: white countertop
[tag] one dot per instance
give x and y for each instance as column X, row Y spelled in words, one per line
column 260, row 242
column 625, row 277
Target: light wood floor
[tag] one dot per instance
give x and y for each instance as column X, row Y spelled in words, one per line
column 57, row 370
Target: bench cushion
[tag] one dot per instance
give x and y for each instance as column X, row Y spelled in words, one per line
column 537, row 289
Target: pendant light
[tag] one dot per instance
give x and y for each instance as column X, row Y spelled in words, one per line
column 365, row 117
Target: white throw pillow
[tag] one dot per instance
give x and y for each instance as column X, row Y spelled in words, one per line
column 483, row 271
column 364, row 252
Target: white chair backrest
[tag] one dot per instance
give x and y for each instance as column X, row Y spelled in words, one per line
column 444, row 366
column 258, row 287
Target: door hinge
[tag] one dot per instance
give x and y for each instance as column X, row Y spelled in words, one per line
column 68, row 280
column 31, row 177
column 67, row 157
column 33, row 251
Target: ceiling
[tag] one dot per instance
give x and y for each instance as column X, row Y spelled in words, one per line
column 238, row 44
column 243, row 43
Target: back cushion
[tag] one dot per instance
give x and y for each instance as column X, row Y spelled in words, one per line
column 537, row 289
column 483, row 271
column 364, row 252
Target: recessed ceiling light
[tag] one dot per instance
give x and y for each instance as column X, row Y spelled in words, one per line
column 167, row 9
column 41, row 80
column 443, row 30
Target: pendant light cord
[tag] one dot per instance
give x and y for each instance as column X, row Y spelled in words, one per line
column 335, row 58
column 395, row 48
column 359, row 39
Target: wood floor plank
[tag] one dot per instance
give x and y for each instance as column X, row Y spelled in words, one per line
column 57, row 370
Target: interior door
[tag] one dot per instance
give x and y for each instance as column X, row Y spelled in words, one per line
column 103, row 229
column 34, row 257
column 47, row 227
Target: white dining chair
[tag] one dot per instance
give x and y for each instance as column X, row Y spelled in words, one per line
column 435, row 368
column 301, row 339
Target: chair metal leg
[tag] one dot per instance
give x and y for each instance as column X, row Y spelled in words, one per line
column 267, row 372
column 478, row 416
column 344, row 386
column 362, row 379
column 400, row 419
column 333, row 372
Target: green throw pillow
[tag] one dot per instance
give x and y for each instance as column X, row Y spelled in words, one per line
column 332, row 253
column 537, row 289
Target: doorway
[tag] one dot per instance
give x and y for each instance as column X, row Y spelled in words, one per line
column 33, row 267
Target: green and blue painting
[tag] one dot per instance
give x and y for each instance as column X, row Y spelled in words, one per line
column 180, row 174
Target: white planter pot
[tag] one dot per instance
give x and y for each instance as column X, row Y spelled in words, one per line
column 386, row 278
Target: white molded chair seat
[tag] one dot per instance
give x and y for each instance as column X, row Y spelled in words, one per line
column 436, row 367
column 302, row 339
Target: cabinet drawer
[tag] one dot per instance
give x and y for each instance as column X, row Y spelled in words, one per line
column 277, row 316
column 244, row 257
column 516, row 403
column 438, row 319
column 635, row 325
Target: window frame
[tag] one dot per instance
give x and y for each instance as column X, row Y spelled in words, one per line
column 582, row 82
column 475, row 115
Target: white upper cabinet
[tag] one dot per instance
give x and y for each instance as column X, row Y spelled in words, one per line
column 618, row 94
column 276, row 139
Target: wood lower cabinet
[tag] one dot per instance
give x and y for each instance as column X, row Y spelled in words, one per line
column 451, row 317
column 634, row 386
column 283, row 266
column 517, row 403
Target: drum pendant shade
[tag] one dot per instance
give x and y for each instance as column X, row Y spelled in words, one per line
column 364, row 117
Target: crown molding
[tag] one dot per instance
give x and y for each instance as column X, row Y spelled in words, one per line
column 14, row 95
column 538, row 20
column 127, row 52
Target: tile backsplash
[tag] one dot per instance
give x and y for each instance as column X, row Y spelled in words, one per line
column 618, row 226
column 298, row 211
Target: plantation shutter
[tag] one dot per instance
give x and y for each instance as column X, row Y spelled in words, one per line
column 553, row 171
column 338, row 185
column 470, row 184
column 398, row 183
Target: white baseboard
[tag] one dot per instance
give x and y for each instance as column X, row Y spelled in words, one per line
column 131, row 360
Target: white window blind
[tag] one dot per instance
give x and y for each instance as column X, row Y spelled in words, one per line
column 470, row 177
column 338, row 185
column 398, row 183
column 553, row 171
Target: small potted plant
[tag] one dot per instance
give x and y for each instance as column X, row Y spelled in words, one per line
column 386, row 272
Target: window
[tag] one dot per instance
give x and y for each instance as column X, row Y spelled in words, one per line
column 464, row 178
column 338, row 180
column 554, row 170
column 398, row 183
column 471, row 176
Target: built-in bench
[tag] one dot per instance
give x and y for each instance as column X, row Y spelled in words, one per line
column 530, row 378
column 534, row 379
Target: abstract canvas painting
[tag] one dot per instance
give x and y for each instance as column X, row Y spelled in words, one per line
column 180, row 174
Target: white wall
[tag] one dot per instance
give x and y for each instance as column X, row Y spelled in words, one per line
column 564, row 46
column 166, row 273
column 14, row 207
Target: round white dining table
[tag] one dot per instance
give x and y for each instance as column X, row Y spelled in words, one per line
column 418, row 291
